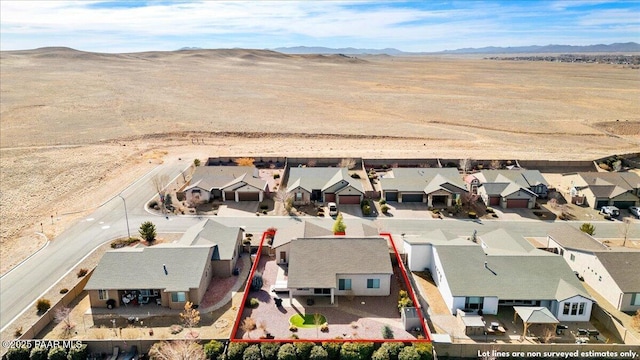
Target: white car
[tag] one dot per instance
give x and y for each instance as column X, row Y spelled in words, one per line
column 333, row 209
column 635, row 211
column 610, row 210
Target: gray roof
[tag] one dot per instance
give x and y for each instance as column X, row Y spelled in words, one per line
column 226, row 177
column 535, row 315
column 624, row 268
column 437, row 236
column 500, row 242
column 299, row 230
column 538, row 275
column 524, row 178
column 315, row 263
column 610, row 185
column 571, row 238
column 142, row 268
column 425, row 180
column 320, row 178
column 210, row 232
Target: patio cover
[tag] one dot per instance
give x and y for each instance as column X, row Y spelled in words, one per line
column 533, row 315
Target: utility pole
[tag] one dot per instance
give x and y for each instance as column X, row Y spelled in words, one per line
column 126, row 216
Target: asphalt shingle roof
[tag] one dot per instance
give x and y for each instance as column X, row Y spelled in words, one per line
column 220, row 177
column 572, row 238
column 624, row 268
column 320, row 178
column 425, row 180
column 210, row 232
column 314, row 263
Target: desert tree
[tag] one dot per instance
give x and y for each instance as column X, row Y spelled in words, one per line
column 148, row 231
column 160, row 183
column 348, row 163
column 285, row 198
column 625, row 229
column 465, row 165
column 248, row 325
column 190, row 318
column 588, row 228
column 177, row 350
column 62, row 316
column 495, row 164
column 317, row 321
column 196, row 162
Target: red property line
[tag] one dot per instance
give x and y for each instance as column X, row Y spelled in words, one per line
column 425, row 330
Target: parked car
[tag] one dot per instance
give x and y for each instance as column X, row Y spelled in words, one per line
column 610, row 210
column 635, row 211
column 333, row 209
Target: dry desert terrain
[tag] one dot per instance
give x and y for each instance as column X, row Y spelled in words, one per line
column 77, row 127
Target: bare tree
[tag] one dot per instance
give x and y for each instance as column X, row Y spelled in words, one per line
column 160, row 183
column 625, row 230
column 177, row 350
column 248, row 325
column 317, row 321
column 312, row 163
column 285, row 197
column 465, row 165
column 190, row 317
column 62, row 316
column 349, row 163
column 495, row 164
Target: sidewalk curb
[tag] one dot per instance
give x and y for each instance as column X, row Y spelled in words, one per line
column 30, row 256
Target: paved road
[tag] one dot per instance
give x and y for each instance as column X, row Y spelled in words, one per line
column 23, row 285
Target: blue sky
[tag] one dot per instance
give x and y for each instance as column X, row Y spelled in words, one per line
column 131, row 26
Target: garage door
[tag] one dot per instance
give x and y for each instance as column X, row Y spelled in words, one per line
column 624, row 204
column 412, row 198
column 249, row 196
column 517, row 203
column 349, row 199
column 329, row 197
column 391, row 196
column 494, row 201
column 230, row 195
column 601, row 203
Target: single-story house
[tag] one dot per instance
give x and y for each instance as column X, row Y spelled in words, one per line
column 612, row 272
column 226, row 183
column 598, row 189
column 485, row 272
column 324, row 184
column 438, row 187
column 339, row 266
column 167, row 274
column 508, row 188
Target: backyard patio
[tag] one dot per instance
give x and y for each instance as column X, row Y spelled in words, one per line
column 356, row 317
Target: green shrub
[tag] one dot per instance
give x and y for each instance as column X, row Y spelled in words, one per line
column 490, row 210
column 78, row 353
column 82, row 272
column 252, row 303
column 333, row 349
column 366, row 349
column 365, row 202
column 235, row 350
column 123, row 242
column 381, row 354
column 293, row 328
column 196, row 162
column 43, row 305
column 385, row 209
column 404, row 300
column 318, row 353
column 252, row 353
column 366, row 210
column 393, row 348
column 355, row 176
column 472, row 215
column 213, row 348
column 387, row 333
column 39, row 353
column 270, row 350
column 350, row 351
column 294, row 336
column 17, row 332
column 382, row 201
column 64, row 291
column 303, row 349
column 276, row 176
column 409, row 353
column 256, row 282
column 264, row 206
column 287, row 352
column 17, row 353
column 57, row 353
column 435, row 211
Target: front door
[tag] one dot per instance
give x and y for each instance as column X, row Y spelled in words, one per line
column 283, row 256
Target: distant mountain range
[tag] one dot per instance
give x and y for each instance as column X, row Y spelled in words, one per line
column 600, row 48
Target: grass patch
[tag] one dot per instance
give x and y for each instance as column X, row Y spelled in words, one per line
column 306, row 321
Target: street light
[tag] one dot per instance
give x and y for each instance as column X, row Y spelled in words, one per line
column 126, row 216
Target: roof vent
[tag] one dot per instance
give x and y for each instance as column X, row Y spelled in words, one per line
column 165, row 269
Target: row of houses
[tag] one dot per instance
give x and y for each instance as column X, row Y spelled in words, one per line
column 436, row 187
column 478, row 273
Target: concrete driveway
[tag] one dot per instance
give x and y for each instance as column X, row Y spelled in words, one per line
column 408, row 211
column 238, row 209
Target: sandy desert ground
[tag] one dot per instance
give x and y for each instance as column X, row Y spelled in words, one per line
column 78, row 127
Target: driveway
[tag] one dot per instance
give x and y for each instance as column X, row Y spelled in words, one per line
column 238, row 209
column 408, row 210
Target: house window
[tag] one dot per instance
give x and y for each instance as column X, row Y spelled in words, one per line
column 373, row 283
column 473, row 302
column 565, row 310
column 573, row 257
column 574, row 309
column 581, row 308
column 179, row 296
column 344, row 284
column 635, row 299
column 298, row 196
column 103, row 294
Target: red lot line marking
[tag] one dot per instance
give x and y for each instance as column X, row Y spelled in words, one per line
column 427, row 338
